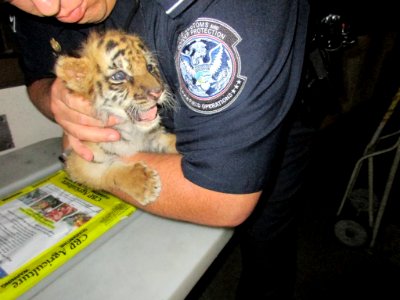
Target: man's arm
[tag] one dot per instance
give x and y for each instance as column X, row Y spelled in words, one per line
column 179, row 199
column 39, row 94
column 183, row 200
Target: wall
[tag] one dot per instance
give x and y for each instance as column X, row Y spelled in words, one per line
column 26, row 124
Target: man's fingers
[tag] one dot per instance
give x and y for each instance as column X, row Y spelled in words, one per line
column 76, row 102
column 80, row 148
column 62, row 117
column 92, row 134
column 74, row 111
column 73, row 108
column 47, row 7
column 112, row 120
column 64, row 113
column 75, row 115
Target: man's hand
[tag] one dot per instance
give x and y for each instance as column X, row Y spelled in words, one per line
column 68, row 11
column 73, row 113
column 38, row 7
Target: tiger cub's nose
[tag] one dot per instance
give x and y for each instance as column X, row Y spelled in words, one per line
column 154, row 93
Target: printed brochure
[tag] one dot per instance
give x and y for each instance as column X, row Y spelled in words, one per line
column 44, row 225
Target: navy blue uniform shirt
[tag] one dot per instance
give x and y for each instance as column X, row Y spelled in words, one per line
column 235, row 68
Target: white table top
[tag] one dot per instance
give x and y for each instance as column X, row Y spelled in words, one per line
column 143, row 257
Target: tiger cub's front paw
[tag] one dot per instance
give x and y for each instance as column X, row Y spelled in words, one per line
column 139, row 181
column 151, row 184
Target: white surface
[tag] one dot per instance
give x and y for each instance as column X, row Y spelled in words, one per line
column 143, row 257
column 27, row 124
column 23, row 166
column 150, row 258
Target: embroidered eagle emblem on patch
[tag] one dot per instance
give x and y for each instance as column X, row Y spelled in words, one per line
column 209, row 66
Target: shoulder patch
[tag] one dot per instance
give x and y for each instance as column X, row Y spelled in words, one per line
column 208, row 66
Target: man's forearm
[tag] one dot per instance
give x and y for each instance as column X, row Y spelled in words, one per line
column 183, row 200
column 39, row 93
column 179, row 199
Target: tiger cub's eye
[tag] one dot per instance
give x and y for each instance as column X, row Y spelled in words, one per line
column 150, row 68
column 119, row 76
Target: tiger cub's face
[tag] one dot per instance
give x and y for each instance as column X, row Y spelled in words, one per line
column 117, row 72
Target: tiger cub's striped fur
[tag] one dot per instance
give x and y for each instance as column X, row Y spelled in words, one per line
column 117, row 73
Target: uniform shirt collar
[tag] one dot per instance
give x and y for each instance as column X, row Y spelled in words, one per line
column 174, row 8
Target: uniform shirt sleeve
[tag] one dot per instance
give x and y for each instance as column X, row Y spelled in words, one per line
column 239, row 72
column 33, row 35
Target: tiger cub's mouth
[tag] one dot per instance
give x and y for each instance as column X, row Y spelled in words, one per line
column 139, row 115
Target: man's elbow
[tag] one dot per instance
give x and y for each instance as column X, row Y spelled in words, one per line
column 236, row 211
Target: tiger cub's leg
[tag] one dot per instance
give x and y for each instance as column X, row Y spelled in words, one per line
column 85, row 172
column 167, row 142
column 137, row 180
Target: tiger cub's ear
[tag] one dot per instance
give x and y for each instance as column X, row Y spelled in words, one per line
column 75, row 73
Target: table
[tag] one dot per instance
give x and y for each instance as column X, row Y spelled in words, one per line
column 143, row 257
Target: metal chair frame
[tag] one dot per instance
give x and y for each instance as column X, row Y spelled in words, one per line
column 371, row 152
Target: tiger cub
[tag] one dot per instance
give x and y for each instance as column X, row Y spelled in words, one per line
column 117, row 73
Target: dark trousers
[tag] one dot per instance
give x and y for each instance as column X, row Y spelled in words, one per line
column 268, row 238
